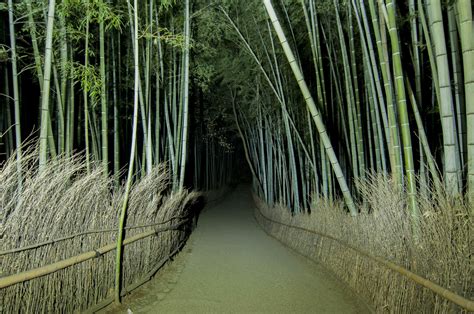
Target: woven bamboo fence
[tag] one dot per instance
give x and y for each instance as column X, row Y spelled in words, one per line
column 370, row 259
column 57, row 235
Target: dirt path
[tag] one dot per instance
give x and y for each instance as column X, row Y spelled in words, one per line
column 231, row 266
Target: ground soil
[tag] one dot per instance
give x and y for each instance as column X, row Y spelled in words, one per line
column 230, row 265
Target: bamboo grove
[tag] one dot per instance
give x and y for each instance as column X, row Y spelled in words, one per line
column 322, row 93
column 324, row 101
column 344, row 89
column 73, row 72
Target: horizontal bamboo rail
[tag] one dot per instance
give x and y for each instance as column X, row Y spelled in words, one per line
column 75, row 235
column 51, row 268
column 443, row 292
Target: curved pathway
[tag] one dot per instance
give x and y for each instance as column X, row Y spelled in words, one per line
column 231, row 266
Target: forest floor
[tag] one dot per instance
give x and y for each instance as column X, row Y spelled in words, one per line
column 230, row 265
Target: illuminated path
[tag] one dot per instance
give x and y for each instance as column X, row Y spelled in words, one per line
column 231, row 266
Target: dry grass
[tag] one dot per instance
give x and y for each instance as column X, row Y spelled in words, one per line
column 441, row 252
column 65, row 200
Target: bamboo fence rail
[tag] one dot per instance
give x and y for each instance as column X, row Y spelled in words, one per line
column 53, row 241
column 51, row 268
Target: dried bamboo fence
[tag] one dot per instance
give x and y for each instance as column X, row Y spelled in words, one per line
column 57, row 248
column 382, row 284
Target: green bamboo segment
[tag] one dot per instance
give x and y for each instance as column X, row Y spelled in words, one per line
column 313, row 34
column 358, row 115
column 430, row 48
column 375, row 90
column 184, row 142
column 34, row 43
column 415, row 51
column 350, row 98
column 458, row 90
column 402, row 110
column 71, row 117
column 16, row 93
column 45, row 113
column 394, row 142
column 451, row 151
column 464, row 11
column 86, row 96
column 123, row 211
column 61, row 82
column 116, row 155
column 103, row 101
column 423, row 138
column 39, row 70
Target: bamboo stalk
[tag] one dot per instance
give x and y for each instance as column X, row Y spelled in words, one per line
column 16, row 93
column 103, row 102
column 123, row 211
column 313, row 109
column 45, row 114
column 464, row 9
column 389, row 11
column 184, row 143
column 451, row 149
